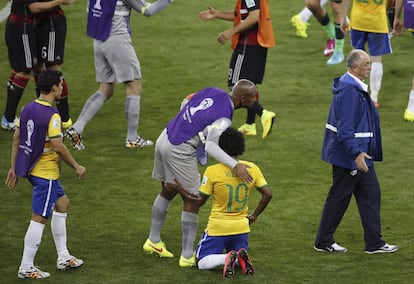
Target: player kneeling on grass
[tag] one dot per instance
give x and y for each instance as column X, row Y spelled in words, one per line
column 225, row 240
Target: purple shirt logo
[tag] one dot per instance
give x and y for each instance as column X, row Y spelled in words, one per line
column 205, row 107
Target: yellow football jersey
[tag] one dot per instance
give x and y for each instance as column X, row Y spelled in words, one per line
column 230, row 198
column 369, row 16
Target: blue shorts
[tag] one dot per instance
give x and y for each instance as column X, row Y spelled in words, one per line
column 220, row 244
column 378, row 43
column 44, row 196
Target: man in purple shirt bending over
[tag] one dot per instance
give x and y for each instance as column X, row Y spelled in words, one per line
column 193, row 133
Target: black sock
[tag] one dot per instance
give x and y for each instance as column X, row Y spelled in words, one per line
column 14, row 94
column 256, row 109
column 63, row 107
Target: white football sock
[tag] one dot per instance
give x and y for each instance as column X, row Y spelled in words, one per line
column 323, row 2
column 375, row 80
column 211, row 261
column 58, row 227
column 32, row 242
column 305, row 14
column 410, row 106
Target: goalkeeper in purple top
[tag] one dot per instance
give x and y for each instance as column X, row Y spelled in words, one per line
column 115, row 61
column 195, row 130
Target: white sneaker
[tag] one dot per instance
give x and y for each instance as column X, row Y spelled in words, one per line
column 332, row 248
column 384, row 248
column 32, row 273
column 71, row 262
column 7, row 125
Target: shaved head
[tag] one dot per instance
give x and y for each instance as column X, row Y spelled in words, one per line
column 245, row 87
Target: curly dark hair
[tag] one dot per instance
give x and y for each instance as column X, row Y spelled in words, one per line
column 232, row 142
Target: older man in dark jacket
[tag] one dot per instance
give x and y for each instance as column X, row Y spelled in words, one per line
column 351, row 144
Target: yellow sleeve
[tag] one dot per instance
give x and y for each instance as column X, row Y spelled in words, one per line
column 206, row 186
column 55, row 126
column 260, row 180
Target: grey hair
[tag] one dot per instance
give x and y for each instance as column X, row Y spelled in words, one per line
column 354, row 58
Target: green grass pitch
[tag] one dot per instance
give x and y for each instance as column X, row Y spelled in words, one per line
column 110, row 210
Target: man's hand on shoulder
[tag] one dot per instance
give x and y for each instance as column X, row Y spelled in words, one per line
column 240, row 170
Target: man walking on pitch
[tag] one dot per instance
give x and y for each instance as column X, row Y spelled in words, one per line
column 351, row 144
column 36, row 153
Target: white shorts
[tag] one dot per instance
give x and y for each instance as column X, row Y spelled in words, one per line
column 177, row 161
column 116, row 60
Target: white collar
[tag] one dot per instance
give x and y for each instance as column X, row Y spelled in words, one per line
column 360, row 82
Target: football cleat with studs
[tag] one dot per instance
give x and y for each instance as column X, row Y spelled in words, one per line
column 138, row 142
column 245, row 262
column 7, row 125
column 248, row 129
column 408, row 116
column 159, row 248
column 187, row 262
column 75, row 138
column 71, row 262
column 267, row 119
column 330, row 47
column 300, row 26
column 230, row 264
column 32, row 273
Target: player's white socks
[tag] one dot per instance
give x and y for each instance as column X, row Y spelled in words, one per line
column 323, row 2
column 32, row 242
column 211, row 261
column 91, row 107
column 58, row 227
column 189, row 223
column 159, row 213
column 410, row 106
column 132, row 109
column 375, row 80
column 306, row 14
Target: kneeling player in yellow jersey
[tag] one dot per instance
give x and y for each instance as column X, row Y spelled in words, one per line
column 225, row 239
